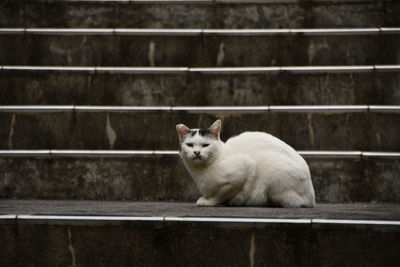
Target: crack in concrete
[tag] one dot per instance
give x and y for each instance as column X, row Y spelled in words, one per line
column 152, row 51
column 221, row 54
column 311, row 130
column 111, row 135
column 71, row 248
column 10, row 136
column 252, row 251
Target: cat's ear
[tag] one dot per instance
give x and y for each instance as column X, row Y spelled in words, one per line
column 182, row 130
column 215, row 129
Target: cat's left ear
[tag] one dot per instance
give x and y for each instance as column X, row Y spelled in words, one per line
column 182, row 130
column 215, row 129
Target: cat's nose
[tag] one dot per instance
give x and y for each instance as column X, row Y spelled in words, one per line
column 197, row 153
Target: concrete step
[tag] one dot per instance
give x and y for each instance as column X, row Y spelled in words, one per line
column 328, row 235
column 195, row 14
column 178, row 47
column 338, row 177
column 318, row 85
column 98, row 127
column 369, row 214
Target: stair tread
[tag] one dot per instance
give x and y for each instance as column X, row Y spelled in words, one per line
column 358, row 211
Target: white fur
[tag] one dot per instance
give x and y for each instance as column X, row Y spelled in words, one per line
column 253, row 168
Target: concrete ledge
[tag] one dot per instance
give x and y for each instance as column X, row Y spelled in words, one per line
column 196, row 243
column 155, row 177
column 200, row 32
column 317, row 128
column 170, row 2
column 240, row 238
column 205, row 109
column 199, row 14
column 216, row 70
column 131, row 129
column 140, row 153
column 199, row 47
column 70, row 210
column 265, row 86
column 116, row 220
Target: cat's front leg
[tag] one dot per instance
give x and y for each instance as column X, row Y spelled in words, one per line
column 229, row 177
column 206, row 202
column 222, row 193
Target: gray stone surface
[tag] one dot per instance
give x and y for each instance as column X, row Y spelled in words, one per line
column 267, row 15
column 198, row 244
column 75, row 88
column 163, row 178
column 367, row 131
column 111, row 50
column 359, row 211
column 138, row 178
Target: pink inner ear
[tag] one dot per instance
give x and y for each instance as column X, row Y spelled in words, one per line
column 182, row 130
column 215, row 129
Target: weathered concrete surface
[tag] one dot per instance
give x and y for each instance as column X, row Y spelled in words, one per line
column 75, row 88
column 195, row 244
column 367, row 131
column 230, row 51
column 267, row 15
column 163, row 178
column 138, row 178
column 346, row 181
column 360, row 211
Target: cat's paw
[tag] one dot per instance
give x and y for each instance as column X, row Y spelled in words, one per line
column 206, row 202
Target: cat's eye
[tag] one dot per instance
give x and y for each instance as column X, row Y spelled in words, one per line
column 206, row 145
column 189, row 144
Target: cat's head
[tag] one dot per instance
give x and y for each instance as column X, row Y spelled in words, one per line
column 199, row 146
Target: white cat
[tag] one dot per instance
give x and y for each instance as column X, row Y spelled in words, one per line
column 253, row 169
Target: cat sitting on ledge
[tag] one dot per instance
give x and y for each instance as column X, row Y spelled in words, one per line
column 251, row 169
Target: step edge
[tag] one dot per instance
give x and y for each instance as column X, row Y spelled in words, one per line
column 130, row 153
column 189, row 219
column 179, row 32
column 204, row 109
column 208, row 70
column 200, row 1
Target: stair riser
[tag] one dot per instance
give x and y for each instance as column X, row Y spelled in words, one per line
column 276, row 15
column 200, row 244
column 367, row 131
column 69, row 88
column 163, row 178
column 199, row 51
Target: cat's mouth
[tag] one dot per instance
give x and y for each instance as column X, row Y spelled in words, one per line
column 197, row 158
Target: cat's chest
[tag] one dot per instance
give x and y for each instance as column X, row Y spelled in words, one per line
column 209, row 177
column 205, row 175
